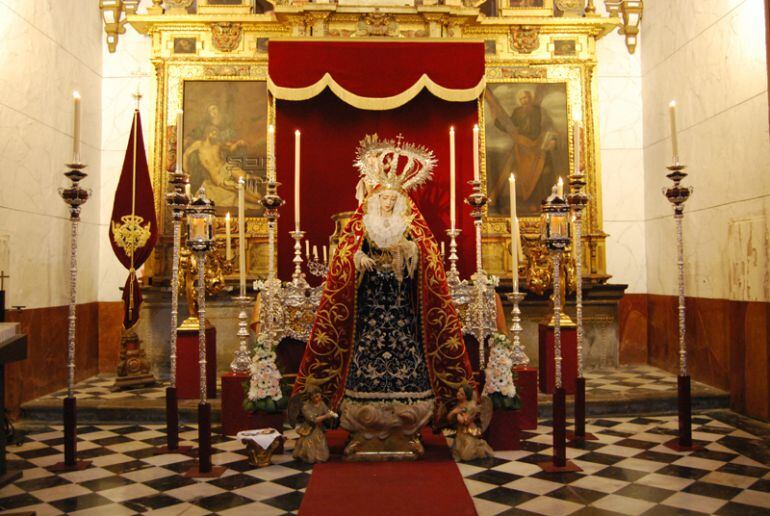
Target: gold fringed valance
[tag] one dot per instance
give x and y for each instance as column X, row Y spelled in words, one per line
column 376, row 103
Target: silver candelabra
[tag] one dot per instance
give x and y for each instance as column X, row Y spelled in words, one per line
column 477, row 200
column 453, row 275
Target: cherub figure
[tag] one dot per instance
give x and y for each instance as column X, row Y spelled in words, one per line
column 307, row 413
column 471, row 418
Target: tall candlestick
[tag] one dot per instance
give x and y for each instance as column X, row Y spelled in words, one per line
column 241, row 237
column 271, row 152
column 76, row 129
column 560, row 188
column 577, row 137
column 228, row 249
column 514, row 235
column 674, row 138
column 452, row 193
column 296, row 179
column 476, row 152
column 179, row 140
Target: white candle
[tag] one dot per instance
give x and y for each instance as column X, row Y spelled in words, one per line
column 296, row 180
column 443, row 249
column 228, row 249
column 315, row 252
column 241, row 236
column 514, row 234
column 326, row 254
column 476, row 152
column 307, row 248
column 179, row 140
column 674, row 139
column 560, row 188
column 577, row 137
column 271, row 152
column 452, row 214
column 76, row 129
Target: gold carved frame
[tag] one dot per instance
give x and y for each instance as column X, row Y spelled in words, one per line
column 521, row 47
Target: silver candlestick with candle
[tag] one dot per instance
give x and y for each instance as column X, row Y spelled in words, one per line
column 74, row 196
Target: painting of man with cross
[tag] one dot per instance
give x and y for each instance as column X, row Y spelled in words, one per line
column 526, row 134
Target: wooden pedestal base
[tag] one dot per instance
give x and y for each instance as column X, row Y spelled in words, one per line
column 172, row 426
column 550, row 467
column 547, row 365
column 684, row 441
column 70, row 463
column 204, row 468
column 559, row 464
column 580, row 435
column 526, row 387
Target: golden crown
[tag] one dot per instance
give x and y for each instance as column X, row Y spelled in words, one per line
column 393, row 164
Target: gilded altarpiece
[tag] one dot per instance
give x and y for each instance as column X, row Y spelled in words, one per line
column 528, row 47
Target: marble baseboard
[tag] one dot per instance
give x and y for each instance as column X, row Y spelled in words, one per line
column 728, row 344
column 44, row 370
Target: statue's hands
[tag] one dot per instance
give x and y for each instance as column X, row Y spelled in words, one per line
column 367, row 263
column 364, row 262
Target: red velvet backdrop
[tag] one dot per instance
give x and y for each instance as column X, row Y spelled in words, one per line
column 331, row 130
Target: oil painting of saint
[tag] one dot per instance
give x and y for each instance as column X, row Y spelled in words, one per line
column 225, row 131
column 526, row 134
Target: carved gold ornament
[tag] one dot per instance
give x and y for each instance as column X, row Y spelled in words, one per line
column 131, row 235
column 525, row 40
column 226, row 36
column 377, row 24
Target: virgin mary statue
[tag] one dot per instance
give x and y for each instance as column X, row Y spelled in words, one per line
column 386, row 346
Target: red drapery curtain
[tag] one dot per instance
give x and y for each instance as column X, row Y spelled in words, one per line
column 331, row 128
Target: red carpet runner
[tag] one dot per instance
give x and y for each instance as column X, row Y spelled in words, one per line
column 431, row 485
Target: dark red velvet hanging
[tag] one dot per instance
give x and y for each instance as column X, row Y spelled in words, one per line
column 331, row 131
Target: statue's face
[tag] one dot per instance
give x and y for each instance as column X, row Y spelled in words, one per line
column 525, row 98
column 461, row 396
column 388, row 201
column 316, row 398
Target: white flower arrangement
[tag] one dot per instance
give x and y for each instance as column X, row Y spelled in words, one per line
column 499, row 375
column 265, row 377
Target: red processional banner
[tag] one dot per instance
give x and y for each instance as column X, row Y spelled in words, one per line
column 133, row 226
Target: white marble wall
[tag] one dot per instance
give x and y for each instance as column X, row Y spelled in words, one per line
column 50, row 48
column 123, row 71
column 622, row 162
column 709, row 55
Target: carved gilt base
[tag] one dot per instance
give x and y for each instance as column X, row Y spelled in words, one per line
column 133, row 369
column 381, row 431
column 394, row 447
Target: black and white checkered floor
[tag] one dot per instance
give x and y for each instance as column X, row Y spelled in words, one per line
column 628, row 381
column 627, row 471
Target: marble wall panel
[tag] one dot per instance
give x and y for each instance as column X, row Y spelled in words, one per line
column 49, row 50
column 726, row 252
column 620, row 112
column 625, row 254
column 667, row 26
column 719, row 68
column 623, row 185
